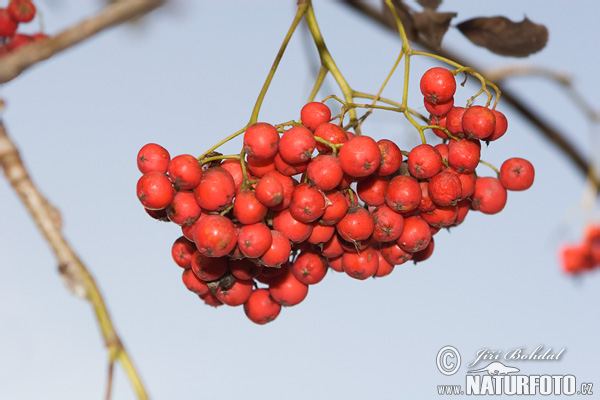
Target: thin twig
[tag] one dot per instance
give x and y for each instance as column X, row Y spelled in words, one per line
column 550, row 133
column 14, row 63
column 72, row 269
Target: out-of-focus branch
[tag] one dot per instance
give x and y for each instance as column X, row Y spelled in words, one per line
column 550, row 133
column 70, row 266
column 12, row 64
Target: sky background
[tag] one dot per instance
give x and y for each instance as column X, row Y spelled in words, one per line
column 188, row 76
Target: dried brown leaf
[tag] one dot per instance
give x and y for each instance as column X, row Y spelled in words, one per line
column 505, row 37
column 433, row 4
column 432, row 25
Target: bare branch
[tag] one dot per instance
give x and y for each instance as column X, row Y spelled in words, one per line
column 12, row 64
column 70, row 266
column 550, row 133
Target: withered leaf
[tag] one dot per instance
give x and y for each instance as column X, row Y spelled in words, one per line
column 505, row 37
column 433, row 4
column 432, row 25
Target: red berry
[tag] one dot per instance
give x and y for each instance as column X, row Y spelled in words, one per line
column 279, row 251
column 320, row 233
column 234, row 167
column 445, row 189
column 478, row 122
column 182, row 251
column 314, row 114
column 393, row 254
column 8, row 26
column 391, row 158
column 454, row 121
column 360, row 156
column 308, row 203
column 500, row 128
column 21, row 10
column 337, row 206
column 372, row 190
column 287, row 290
column 441, row 216
column 438, row 85
column 489, row 196
column 289, row 169
column 184, row 210
column 575, row 259
column 415, row 236
column 254, row 240
column 403, row 193
column 463, row 155
column 269, row 191
column 19, row 40
column 290, row 227
column 216, row 189
column 309, row 268
column 208, row 268
column 424, row 161
column 333, row 247
column 211, row 300
column 438, row 109
column 153, row 157
column 325, row 172
column 185, row 172
column 297, row 145
column 517, row 174
column 388, row 224
column 237, row 294
column 259, row 168
column 154, row 190
column 288, row 184
column 439, row 121
column 247, row 209
column 260, row 307
column 384, row 267
column 356, row 225
column 215, row 235
column 193, row 284
column 261, row 141
column 245, row 268
column 361, row 265
column 332, row 133
column 425, row 253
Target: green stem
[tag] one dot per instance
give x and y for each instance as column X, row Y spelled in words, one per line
column 302, row 8
column 245, row 180
column 318, row 83
column 327, row 60
column 491, row 166
column 215, row 158
column 222, row 142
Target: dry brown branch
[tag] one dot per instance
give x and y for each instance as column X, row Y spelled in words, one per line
column 549, row 132
column 70, row 266
column 117, row 12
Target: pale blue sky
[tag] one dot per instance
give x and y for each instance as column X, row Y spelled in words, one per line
column 190, row 75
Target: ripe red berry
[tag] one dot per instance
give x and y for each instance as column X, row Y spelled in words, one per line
column 438, row 85
column 372, row 190
column 325, row 172
column 269, row 191
column 287, row 290
column 320, row 233
column 254, row 240
column 216, row 189
column 153, row 157
column 154, row 190
column 290, row 227
column 454, row 121
column 424, row 161
column 260, row 307
column 403, row 193
column 388, row 224
column 438, row 109
column 337, row 206
column 234, row 167
column 394, row 254
column 208, row 268
column 463, row 155
column 425, row 253
column 356, row 225
column 215, row 235
column 441, row 216
column 261, row 141
column 21, row 10
column 245, row 268
column 332, row 133
column 309, row 268
column 193, row 284
column 391, row 157
column 279, row 252
column 360, row 156
column 314, row 114
column 237, row 294
column 384, row 267
column 288, row 184
column 211, row 300
column 182, row 251
column 308, row 203
column 185, row 172
column 260, row 168
column 478, row 122
column 289, row 169
column 297, row 145
column 18, row 40
column 439, row 121
column 500, row 128
column 8, row 26
column 415, row 236
column 247, row 209
column 575, row 259
column 361, row 265
column 184, row 210
column 445, row 189
column 517, row 174
column 489, row 196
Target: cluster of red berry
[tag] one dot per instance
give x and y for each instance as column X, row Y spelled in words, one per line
column 17, row 11
column 244, row 217
column 577, row 258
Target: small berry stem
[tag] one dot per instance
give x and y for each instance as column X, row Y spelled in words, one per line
column 334, row 146
column 245, row 180
column 491, row 166
column 318, row 83
column 222, row 142
column 302, row 8
column 229, row 157
column 225, row 211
